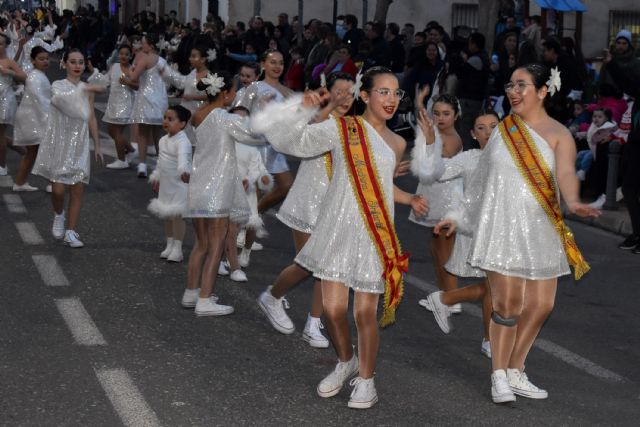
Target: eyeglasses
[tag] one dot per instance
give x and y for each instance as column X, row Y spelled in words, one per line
column 384, row 92
column 518, row 87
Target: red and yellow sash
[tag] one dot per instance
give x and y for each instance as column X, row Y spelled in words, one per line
column 370, row 196
column 537, row 175
column 328, row 164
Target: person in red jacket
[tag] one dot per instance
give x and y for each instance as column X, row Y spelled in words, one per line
column 294, row 79
column 341, row 61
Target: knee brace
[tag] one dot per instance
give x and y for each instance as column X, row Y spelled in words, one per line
column 510, row 322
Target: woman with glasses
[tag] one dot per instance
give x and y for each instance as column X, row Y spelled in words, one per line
column 353, row 243
column 519, row 236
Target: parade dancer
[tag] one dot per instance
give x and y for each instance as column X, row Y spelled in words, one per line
column 519, row 236
column 300, row 212
column 64, row 156
column 151, row 100
column 445, row 112
column 10, row 73
column 429, row 165
column 170, row 180
column 31, row 117
column 348, row 249
column 23, row 54
column 119, row 105
column 216, row 195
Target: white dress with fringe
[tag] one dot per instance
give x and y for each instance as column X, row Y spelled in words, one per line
column 215, row 188
column 252, row 168
column 174, row 160
column 340, row 248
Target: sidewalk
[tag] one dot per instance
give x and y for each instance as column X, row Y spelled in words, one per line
column 614, row 221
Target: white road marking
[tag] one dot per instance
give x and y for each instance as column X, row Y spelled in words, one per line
column 50, row 271
column 80, row 324
column 29, row 233
column 126, row 398
column 547, row 346
column 14, row 203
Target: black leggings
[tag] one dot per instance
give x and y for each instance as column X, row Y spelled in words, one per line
column 631, row 183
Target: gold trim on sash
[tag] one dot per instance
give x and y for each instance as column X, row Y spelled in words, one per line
column 538, row 176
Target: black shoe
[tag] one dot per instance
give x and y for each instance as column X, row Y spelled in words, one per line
column 636, row 250
column 630, row 242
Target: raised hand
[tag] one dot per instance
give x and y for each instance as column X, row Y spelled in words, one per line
column 448, row 226
column 427, row 127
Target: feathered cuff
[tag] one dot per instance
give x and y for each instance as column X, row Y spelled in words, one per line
column 155, row 176
column 426, row 160
column 265, row 187
column 289, row 111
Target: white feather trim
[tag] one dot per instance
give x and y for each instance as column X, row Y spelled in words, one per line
column 426, row 160
column 255, row 222
column 165, row 210
column 268, row 186
column 289, row 111
column 155, row 176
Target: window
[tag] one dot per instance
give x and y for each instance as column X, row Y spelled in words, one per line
column 464, row 14
column 627, row 19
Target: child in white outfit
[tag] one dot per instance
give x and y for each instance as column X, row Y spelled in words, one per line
column 170, row 180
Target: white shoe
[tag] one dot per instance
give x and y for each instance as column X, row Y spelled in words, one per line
column 262, row 233
column 244, row 258
column 48, row 188
column 24, row 187
column 273, row 308
column 599, row 202
column 190, row 298
column 118, row 164
column 455, row 308
column 332, row 383
column 176, row 252
column 222, row 269
column 167, row 250
column 58, row 226
column 242, row 234
column 3, row 171
column 485, row 348
column 210, row 307
column 255, row 246
column 238, row 276
column 364, row 393
column 500, row 390
column 71, row 238
column 313, row 333
column 426, row 303
column 521, row 385
column 440, row 311
column 142, row 170
column 581, row 174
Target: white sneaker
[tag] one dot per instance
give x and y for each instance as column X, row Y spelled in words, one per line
column 485, row 348
column 500, row 390
column 142, row 170
column 242, row 234
column 244, row 258
column 48, row 188
column 210, row 307
column 190, row 298
column 3, row 171
column 455, row 308
column 118, row 164
column 165, row 253
column 273, row 308
column 255, row 246
column 332, row 383
column 176, row 252
column 364, row 393
column 426, row 303
column 581, row 174
column 313, row 333
column 521, row 385
column 238, row 276
column 71, row 238
column 440, row 311
column 24, row 187
column 599, row 202
column 58, row 226
column 222, row 269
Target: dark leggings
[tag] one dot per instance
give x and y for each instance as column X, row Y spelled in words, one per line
column 631, row 183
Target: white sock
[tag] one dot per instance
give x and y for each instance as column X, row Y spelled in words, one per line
column 177, row 244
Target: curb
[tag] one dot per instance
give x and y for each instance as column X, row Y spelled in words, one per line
column 614, row 221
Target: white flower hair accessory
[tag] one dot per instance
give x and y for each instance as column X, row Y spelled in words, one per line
column 214, row 84
column 137, row 45
column 323, row 80
column 355, row 89
column 554, row 83
column 212, row 55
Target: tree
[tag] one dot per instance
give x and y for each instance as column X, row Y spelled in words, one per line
column 487, row 19
column 382, row 8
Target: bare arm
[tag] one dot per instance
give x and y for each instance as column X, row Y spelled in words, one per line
column 93, row 130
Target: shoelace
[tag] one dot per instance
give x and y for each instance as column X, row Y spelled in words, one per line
column 524, row 380
column 285, row 303
column 320, row 325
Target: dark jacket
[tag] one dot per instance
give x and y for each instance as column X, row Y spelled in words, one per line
column 474, row 77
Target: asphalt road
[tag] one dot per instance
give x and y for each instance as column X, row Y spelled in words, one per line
column 96, row 336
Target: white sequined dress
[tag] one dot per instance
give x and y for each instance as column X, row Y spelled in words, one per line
column 8, row 102
column 30, row 123
column 252, row 99
column 151, row 99
column 512, row 234
column 188, row 84
column 340, row 248
column 174, row 160
column 64, row 154
column 440, row 195
column 252, row 168
column 24, row 61
column 121, row 97
column 215, row 188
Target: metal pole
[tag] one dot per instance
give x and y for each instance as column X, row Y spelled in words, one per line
column 365, row 10
column 256, row 7
column 300, row 22
column 612, row 175
column 335, row 12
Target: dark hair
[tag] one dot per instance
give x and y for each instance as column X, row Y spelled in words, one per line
column 267, row 52
column 378, row 28
column 65, row 56
column 607, row 113
column 552, row 43
column 252, row 65
column 31, row 28
column 338, row 75
column 203, row 51
column 421, row 34
column 228, row 84
column 370, row 75
column 239, row 108
column 478, row 39
column 351, row 20
column 7, row 40
column 125, row 46
column 450, row 100
column 152, row 39
column 539, row 74
column 37, row 50
column 183, row 114
column 393, row 28
column 486, row 112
